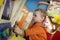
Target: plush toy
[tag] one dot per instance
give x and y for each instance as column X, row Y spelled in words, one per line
column 57, row 18
column 54, row 11
column 51, row 27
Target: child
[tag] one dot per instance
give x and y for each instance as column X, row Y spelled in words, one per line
column 35, row 31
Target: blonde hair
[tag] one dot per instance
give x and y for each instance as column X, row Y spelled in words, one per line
column 43, row 12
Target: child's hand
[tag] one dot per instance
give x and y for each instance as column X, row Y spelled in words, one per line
column 58, row 29
column 19, row 31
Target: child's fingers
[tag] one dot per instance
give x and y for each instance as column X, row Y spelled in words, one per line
column 18, row 31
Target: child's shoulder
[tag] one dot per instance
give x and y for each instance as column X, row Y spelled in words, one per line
column 38, row 24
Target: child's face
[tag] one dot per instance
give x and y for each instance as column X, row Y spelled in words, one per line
column 37, row 16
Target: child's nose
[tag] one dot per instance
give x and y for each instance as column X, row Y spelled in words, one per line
column 33, row 17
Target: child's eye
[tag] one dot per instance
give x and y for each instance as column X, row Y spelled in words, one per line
column 35, row 15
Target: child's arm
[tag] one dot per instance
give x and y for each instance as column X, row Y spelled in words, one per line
column 19, row 31
column 35, row 30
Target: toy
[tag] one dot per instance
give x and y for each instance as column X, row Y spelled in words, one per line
column 51, row 27
column 43, row 5
column 54, row 11
column 57, row 19
column 3, row 27
column 3, row 34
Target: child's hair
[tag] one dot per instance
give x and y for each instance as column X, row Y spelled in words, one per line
column 43, row 12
